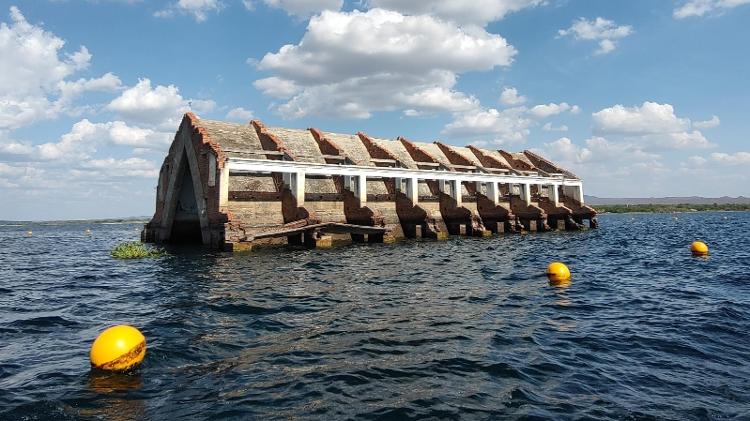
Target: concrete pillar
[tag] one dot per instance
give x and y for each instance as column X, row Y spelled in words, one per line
column 298, row 187
column 456, row 191
column 580, row 193
column 479, row 187
column 399, row 182
column 224, row 187
column 493, row 192
column 211, row 170
column 360, row 191
column 348, row 182
column 412, row 190
column 554, row 194
column 526, row 193
column 499, row 227
column 441, row 186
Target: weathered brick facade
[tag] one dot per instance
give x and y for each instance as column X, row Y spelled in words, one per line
column 199, row 200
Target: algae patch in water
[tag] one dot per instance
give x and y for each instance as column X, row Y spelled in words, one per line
column 135, row 250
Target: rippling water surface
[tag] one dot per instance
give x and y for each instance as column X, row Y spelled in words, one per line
column 460, row 329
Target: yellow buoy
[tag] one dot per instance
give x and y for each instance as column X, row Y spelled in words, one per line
column 699, row 248
column 29, row 233
column 558, row 274
column 118, row 348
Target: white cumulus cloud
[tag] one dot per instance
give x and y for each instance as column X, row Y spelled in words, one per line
column 473, row 12
column 487, row 126
column 35, row 72
column 649, row 118
column 737, row 158
column 305, row 8
column 548, row 127
column 85, row 137
column 696, row 161
column 654, row 124
column 547, row 110
column 605, row 31
column 239, row 114
column 704, row 7
column 116, row 168
column 160, row 107
column 707, row 124
column 510, row 97
column 350, row 64
column 277, row 87
column 199, row 9
column 596, row 149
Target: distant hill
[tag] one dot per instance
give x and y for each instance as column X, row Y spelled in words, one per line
column 692, row 200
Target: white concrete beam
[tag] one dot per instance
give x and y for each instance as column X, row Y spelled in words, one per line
column 248, row 165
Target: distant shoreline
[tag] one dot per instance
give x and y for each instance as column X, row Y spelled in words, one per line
column 133, row 220
column 678, row 208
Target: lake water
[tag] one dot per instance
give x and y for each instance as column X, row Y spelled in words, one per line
column 460, row 329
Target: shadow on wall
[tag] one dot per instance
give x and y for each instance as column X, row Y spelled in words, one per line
column 186, row 228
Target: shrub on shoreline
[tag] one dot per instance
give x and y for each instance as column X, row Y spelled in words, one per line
column 134, row 250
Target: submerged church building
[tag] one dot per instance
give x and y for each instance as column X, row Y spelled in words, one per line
column 232, row 186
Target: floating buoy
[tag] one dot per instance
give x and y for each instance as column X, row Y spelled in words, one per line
column 558, row 274
column 699, row 248
column 88, row 232
column 118, row 348
column 29, row 233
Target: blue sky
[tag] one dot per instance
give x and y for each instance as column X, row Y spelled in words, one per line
column 640, row 98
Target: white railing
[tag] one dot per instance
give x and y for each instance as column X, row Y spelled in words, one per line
column 356, row 178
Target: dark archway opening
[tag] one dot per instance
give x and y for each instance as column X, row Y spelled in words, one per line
column 186, row 228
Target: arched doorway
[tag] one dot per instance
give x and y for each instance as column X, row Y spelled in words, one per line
column 186, row 225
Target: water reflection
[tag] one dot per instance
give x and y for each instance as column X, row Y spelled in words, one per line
column 116, row 397
column 108, row 382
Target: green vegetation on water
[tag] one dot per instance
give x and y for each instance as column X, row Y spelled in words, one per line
column 135, row 250
column 684, row 207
